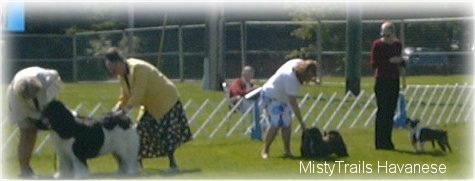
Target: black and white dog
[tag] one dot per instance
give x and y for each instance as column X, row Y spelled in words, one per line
column 420, row 134
column 78, row 139
column 316, row 145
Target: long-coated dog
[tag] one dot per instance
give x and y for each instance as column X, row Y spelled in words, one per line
column 420, row 134
column 78, row 139
column 316, row 145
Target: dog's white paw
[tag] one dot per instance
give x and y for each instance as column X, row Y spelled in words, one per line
column 59, row 175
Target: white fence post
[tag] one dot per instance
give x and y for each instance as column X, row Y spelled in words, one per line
column 467, row 101
column 243, row 116
column 368, row 102
column 437, row 104
column 447, row 104
column 226, row 118
column 10, row 138
column 198, row 111
column 310, row 110
column 210, row 117
column 337, row 110
column 324, row 109
column 187, row 104
column 350, row 110
column 416, row 89
column 420, row 101
column 371, row 117
column 436, row 89
column 469, row 113
column 94, row 110
column 457, row 102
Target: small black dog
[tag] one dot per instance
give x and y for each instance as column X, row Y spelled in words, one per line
column 334, row 143
column 316, row 145
column 420, row 134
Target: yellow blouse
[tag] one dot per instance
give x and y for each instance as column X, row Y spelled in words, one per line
column 147, row 87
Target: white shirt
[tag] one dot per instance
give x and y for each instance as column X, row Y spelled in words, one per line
column 20, row 109
column 283, row 83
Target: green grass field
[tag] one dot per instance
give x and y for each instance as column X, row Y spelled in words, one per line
column 238, row 157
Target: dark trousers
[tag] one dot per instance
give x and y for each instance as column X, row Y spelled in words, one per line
column 387, row 92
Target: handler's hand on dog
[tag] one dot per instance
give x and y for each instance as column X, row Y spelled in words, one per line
column 118, row 112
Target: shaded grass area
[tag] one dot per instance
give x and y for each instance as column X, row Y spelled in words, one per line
column 238, row 156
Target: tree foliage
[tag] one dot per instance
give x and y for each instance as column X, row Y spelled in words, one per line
column 308, row 31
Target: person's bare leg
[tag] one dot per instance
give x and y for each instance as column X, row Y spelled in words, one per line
column 270, row 136
column 286, row 139
column 25, row 149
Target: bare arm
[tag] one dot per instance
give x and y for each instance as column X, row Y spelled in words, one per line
column 296, row 110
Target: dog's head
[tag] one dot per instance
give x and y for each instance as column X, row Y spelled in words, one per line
column 312, row 133
column 410, row 123
column 332, row 135
column 56, row 114
column 335, row 143
column 112, row 119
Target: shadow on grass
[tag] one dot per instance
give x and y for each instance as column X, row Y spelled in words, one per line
column 436, row 153
column 145, row 173
column 331, row 158
column 165, row 173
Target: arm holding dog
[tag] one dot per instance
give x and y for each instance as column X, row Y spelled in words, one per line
column 295, row 108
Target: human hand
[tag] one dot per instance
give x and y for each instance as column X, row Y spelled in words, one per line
column 118, row 112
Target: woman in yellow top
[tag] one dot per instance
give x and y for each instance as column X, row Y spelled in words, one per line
column 163, row 125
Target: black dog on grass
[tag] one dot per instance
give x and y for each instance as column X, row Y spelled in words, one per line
column 316, row 145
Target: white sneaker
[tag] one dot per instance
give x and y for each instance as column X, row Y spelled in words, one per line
column 264, row 155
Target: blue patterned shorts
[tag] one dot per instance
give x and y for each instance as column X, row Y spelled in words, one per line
column 279, row 114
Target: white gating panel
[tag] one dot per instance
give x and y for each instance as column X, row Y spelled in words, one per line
column 350, row 110
column 437, row 105
column 457, row 102
column 310, row 111
column 324, row 109
column 368, row 102
column 337, row 110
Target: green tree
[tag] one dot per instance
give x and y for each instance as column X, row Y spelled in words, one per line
column 308, row 31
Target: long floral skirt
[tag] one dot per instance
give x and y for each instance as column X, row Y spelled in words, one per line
column 160, row 137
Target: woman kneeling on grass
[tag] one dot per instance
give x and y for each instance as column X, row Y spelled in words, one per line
column 279, row 96
column 163, row 125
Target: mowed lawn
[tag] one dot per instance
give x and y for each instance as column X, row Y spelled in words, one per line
column 238, row 157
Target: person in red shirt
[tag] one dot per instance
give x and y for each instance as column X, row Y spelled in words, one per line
column 386, row 62
column 239, row 87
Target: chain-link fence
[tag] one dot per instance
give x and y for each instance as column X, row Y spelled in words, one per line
column 433, row 46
